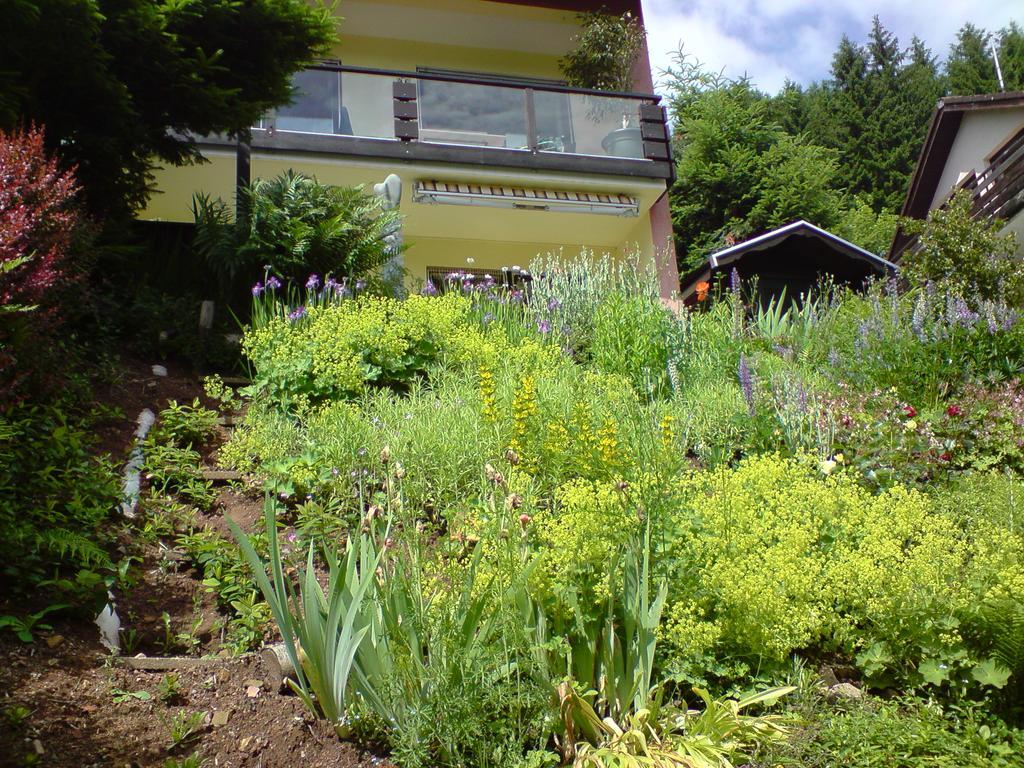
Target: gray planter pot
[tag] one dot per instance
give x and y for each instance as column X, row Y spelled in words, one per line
column 624, row 142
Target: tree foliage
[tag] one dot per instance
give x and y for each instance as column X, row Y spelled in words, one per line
column 971, row 68
column 606, row 48
column 874, row 112
column 121, row 83
column 739, row 172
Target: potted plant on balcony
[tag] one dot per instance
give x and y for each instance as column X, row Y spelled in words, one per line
column 607, row 47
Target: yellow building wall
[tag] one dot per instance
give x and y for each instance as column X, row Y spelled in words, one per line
column 176, row 185
column 380, row 53
column 469, row 35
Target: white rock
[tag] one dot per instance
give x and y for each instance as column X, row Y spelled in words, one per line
column 159, row 370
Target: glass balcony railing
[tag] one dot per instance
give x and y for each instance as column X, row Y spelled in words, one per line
column 464, row 111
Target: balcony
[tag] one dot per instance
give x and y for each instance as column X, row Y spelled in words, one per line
column 997, row 192
column 469, row 120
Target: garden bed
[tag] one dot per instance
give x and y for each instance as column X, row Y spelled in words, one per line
column 66, row 701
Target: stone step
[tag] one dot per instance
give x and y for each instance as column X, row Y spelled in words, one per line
column 220, row 475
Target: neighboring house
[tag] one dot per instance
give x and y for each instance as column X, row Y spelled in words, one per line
column 974, row 143
column 462, row 99
column 794, row 258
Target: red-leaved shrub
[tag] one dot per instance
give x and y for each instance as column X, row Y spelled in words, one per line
column 39, row 218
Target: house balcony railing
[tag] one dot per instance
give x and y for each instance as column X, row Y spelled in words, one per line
column 996, row 193
column 475, row 119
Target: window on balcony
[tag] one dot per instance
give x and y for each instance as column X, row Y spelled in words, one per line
column 491, row 115
column 316, row 107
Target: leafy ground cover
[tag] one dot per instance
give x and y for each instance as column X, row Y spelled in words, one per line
column 585, row 506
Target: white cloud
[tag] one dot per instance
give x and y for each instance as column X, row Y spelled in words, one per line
column 771, row 40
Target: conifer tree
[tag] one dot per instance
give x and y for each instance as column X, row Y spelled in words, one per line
column 969, row 66
column 118, row 84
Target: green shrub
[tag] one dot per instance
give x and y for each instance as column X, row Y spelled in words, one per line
column 56, row 497
column 633, row 338
column 964, row 254
column 184, row 425
column 773, row 557
column 927, row 343
column 294, row 225
column 899, row 734
column 420, row 651
column 340, row 349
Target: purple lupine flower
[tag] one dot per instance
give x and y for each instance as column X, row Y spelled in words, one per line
column 746, row 378
column 312, row 283
column 963, row 314
column 734, row 282
column 544, row 327
column 297, row 314
column 429, row 289
column 863, row 335
column 917, row 318
column 273, row 283
column 257, row 289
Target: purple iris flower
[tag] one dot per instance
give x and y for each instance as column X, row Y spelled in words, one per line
column 360, row 284
column 488, row 318
column 313, row 283
column 257, row 289
column 544, row 326
column 273, row 283
column 430, row 289
column 297, row 314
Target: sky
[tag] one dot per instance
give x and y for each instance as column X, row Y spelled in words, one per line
column 771, row 40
